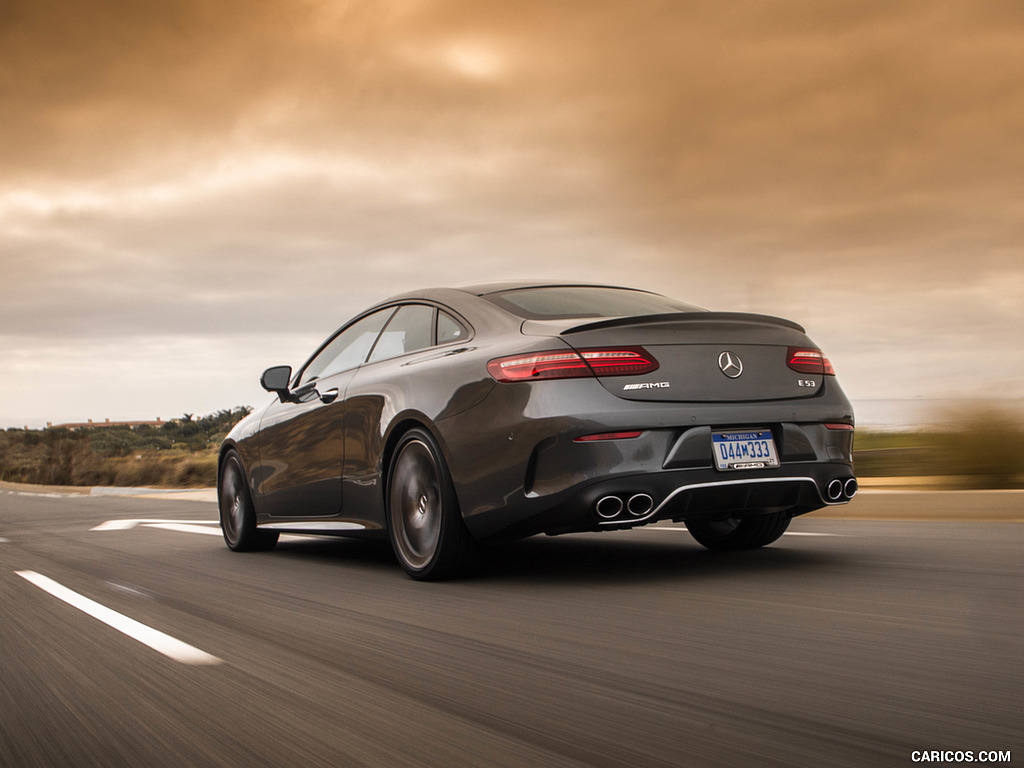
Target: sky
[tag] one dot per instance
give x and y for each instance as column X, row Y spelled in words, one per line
column 192, row 191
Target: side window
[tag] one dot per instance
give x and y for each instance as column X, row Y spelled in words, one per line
column 449, row 329
column 410, row 329
column 348, row 349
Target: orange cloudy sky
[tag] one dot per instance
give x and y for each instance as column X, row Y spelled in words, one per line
column 192, row 191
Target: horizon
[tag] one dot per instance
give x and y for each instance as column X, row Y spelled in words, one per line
column 896, row 414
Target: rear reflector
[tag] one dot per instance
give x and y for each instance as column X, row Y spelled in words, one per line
column 809, row 360
column 573, row 364
column 608, row 436
column 846, row 427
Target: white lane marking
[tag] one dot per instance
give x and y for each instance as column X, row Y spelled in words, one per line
column 209, row 527
column 4, row 541
column 155, row 639
column 124, row 525
column 188, row 527
column 787, row 533
column 115, row 525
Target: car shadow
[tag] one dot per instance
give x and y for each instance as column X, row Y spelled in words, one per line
column 586, row 558
column 336, row 549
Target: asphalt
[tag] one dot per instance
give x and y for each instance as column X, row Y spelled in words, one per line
column 846, row 643
column 879, row 499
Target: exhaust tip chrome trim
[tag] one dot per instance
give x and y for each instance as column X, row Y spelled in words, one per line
column 850, row 488
column 640, row 504
column 835, row 490
column 608, row 507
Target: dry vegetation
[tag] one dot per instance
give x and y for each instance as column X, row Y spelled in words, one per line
column 179, row 454
column 977, row 447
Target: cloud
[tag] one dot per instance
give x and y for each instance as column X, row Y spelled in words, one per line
column 217, row 170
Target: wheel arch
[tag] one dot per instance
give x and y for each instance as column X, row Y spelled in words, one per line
column 227, row 445
column 245, row 461
column 225, row 448
column 397, row 429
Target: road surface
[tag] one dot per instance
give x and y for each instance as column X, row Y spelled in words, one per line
column 847, row 643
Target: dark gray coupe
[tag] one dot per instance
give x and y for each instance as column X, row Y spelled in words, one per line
column 448, row 417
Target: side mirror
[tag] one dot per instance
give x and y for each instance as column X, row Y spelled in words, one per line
column 276, row 380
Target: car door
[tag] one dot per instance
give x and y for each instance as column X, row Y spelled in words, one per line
column 397, row 376
column 302, row 437
column 408, row 330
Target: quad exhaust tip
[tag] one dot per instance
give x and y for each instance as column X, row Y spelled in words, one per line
column 640, row 504
column 609, row 507
column 850, row 488
column 835, row 490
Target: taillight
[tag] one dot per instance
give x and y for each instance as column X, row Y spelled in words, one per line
column 809, row 360
column 540, row 365
column 573, row 364
column 624, row 361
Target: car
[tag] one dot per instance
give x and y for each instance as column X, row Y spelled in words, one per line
column 446, row 418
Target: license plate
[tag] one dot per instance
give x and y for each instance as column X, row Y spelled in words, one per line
column 749, row 449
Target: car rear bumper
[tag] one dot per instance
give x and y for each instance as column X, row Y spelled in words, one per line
column 629, row 501
column 549, row 482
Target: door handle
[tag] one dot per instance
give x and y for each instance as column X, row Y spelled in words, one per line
column 329, row 396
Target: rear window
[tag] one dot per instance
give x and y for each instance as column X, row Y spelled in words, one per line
column 563, row 302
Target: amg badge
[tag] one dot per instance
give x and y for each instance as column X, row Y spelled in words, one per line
column 647, row 385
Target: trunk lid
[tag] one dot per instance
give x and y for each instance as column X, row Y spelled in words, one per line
column 702, row 356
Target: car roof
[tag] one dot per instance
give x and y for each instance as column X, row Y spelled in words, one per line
column 483, row 289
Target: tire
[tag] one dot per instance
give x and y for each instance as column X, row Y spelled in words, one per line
column 731, row 534
column 425, row 525
column 237, row 516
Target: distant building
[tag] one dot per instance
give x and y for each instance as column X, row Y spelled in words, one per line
column 105, row 424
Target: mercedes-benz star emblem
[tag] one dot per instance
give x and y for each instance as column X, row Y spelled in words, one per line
column 730, row 364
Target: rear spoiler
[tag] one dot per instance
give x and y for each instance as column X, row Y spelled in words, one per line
column 683, row 317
